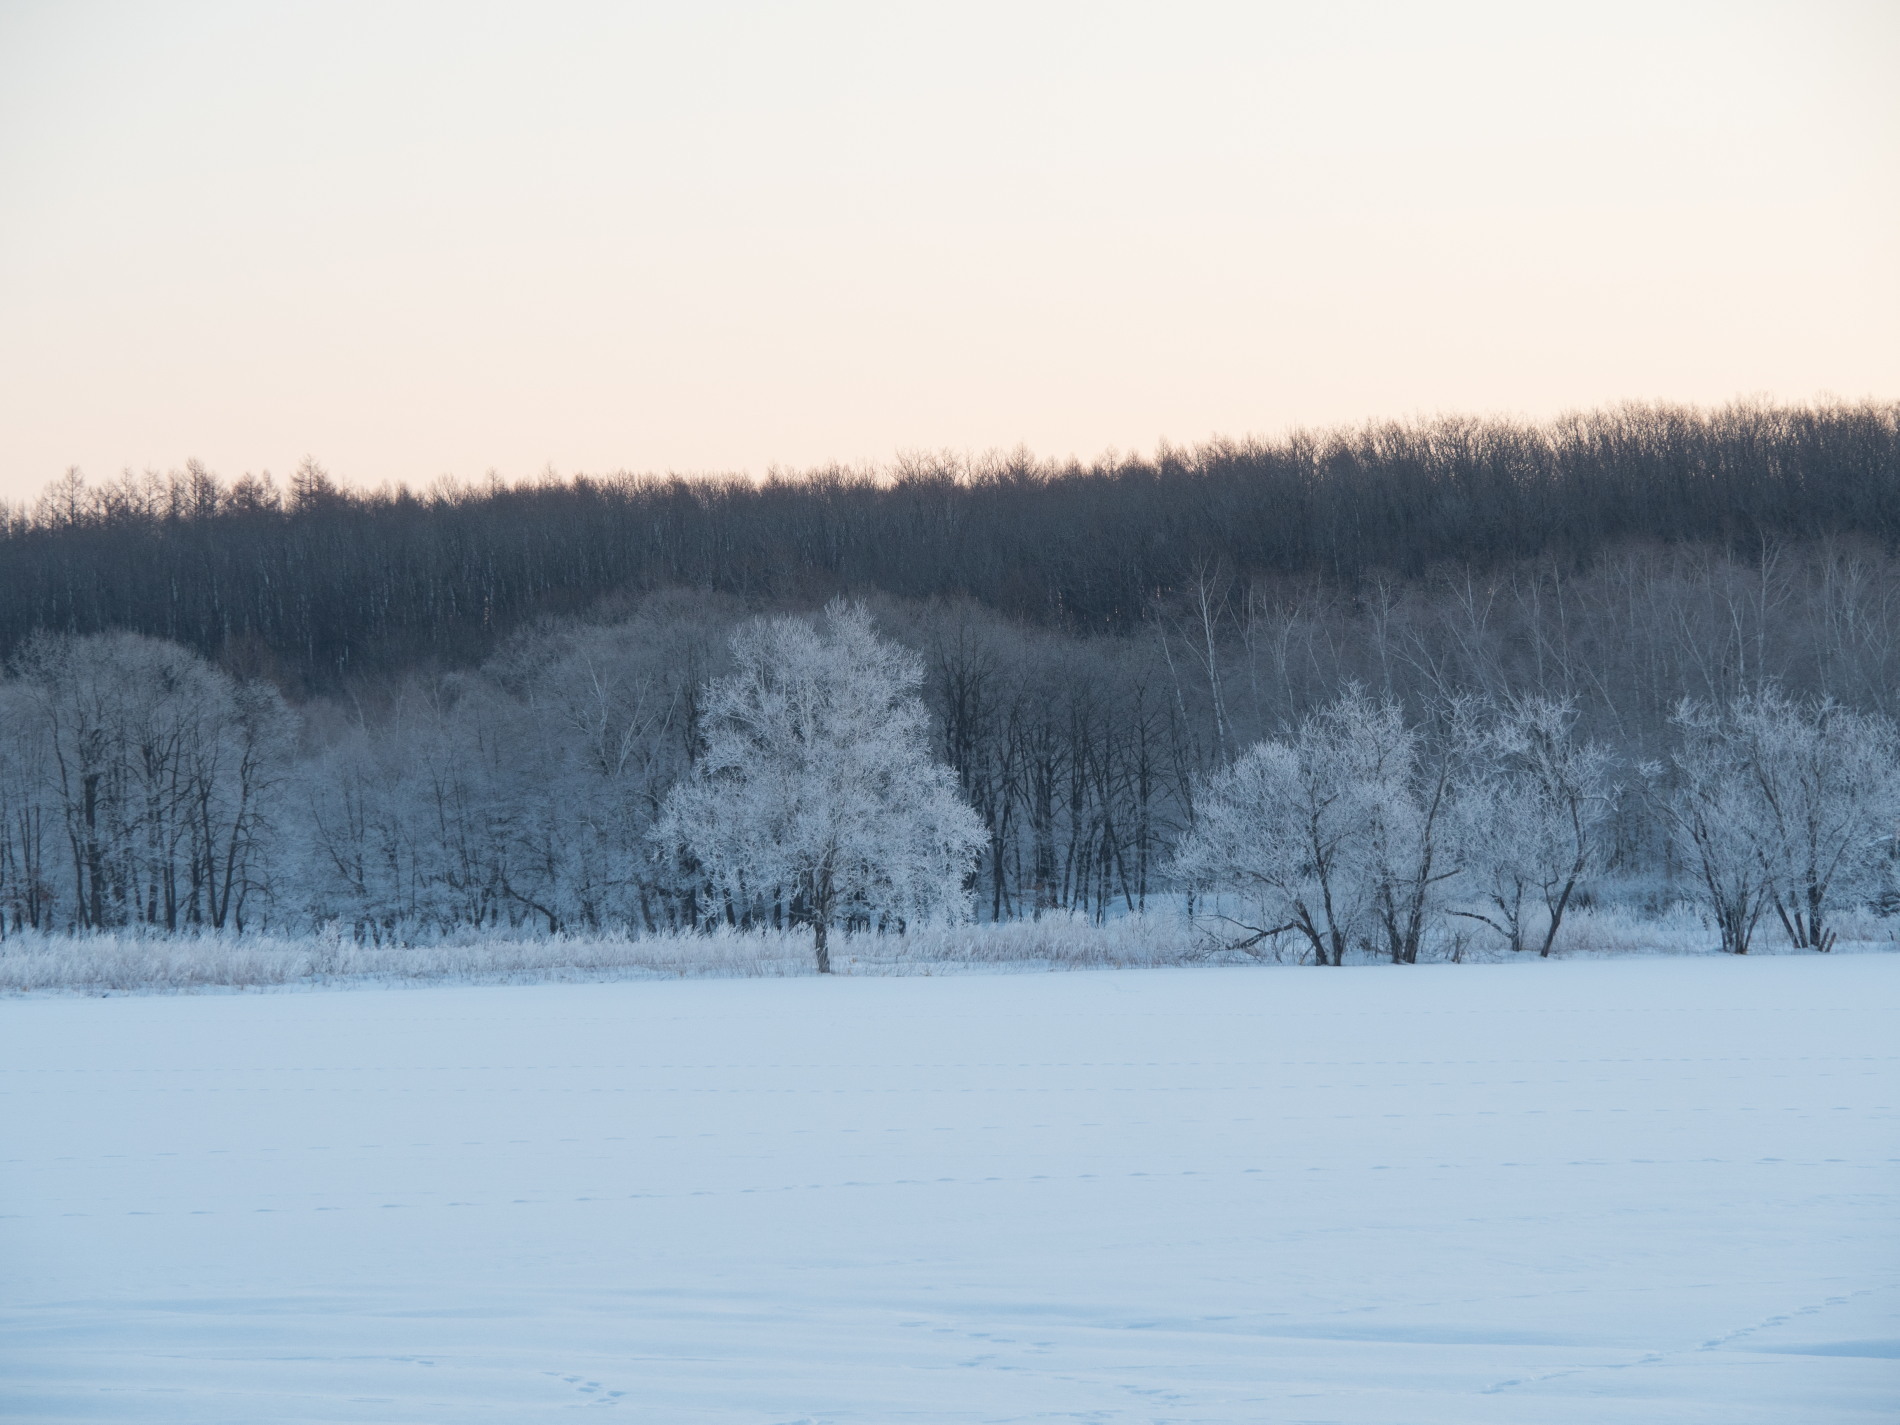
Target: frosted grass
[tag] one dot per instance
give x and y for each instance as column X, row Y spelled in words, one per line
column 131, row 962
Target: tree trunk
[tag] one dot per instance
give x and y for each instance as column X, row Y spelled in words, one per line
column 1556, row 909
column 818, row 929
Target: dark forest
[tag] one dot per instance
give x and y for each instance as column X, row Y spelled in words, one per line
column 315, row 585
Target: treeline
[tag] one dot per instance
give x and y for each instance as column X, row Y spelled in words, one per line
column 323, row 589
column 142, row 785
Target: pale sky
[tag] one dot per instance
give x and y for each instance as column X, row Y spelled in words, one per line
column 415, row 240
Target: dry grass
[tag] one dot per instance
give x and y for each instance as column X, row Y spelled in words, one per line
column 1682, row 929
column 93, row 964
column 108, row 963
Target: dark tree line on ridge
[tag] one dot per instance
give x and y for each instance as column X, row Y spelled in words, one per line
column 320, row 588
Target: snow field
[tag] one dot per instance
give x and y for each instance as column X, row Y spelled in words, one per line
column 1643, row 1190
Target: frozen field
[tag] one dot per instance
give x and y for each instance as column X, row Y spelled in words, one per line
column 1645, row 1190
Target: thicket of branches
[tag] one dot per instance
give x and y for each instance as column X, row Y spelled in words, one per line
column 319, row 587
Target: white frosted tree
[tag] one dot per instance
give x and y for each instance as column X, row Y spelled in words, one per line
column 815, row 790
column 1705, row 802
column 1782, row 804
column 164, row 775
column 1273, row 830
column 1334, row 835
column 1530, row 817
column 1827, row 783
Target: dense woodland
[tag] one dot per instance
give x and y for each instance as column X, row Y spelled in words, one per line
column 318, row 587
column 229, row 705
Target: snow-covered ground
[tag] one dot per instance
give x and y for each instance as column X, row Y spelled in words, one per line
column 1637, row 1190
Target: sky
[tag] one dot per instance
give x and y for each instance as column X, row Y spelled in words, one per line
column 417, row 240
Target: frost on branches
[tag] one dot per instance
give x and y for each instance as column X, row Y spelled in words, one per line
column 1335, row 835
column 814, row 798
column 1780, row 803
column 1530, row 816
column 1361, row 830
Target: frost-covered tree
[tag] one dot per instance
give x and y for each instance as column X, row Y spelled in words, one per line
column 1704, row 800
column 1407, row 857
column 1780, row 804
column 814, row 794
column 1334, row 834
column 1530, row 817
column 519, row 796
column 1273, row 830
column 402, row 822
column 30, row 822
column 600, row 721
column 161, row 774
column 1788, row 802
column 1827, row 785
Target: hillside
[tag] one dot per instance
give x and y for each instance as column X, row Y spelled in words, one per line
column 319, row 586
